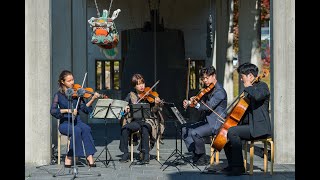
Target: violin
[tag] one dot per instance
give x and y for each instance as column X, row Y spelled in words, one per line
column 87, row 92
column 148, row 95
column 197, row 98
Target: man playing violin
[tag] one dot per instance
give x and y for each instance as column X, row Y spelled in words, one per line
column 60, row 109
column 148, row 128
column 213, row 98
column 254, row 124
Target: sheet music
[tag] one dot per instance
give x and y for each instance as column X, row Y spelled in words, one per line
column 178, row 115
column 116, row 106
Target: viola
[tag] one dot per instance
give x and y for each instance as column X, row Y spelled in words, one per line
column 197, row 98
column 234, row 117
column 148, row 95
column 87, row 92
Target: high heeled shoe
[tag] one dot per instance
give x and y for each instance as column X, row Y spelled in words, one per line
column 67, row 165
column 91, row 165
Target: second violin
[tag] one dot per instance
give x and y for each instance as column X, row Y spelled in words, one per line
column 197, row 98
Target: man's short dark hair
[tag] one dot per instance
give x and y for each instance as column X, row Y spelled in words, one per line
column 208, row 71
column 247, row 68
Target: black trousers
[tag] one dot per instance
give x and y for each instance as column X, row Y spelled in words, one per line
column 233, row 148
column 126, row 130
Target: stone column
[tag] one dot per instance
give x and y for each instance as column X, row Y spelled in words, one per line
column 79, row 46
column 249, row 28
column 37, row 82
column 283, row 79
column 223, row 45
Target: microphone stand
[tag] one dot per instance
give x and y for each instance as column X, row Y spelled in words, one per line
column 69, row 94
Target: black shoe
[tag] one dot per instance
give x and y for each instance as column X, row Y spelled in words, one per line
column 226, row 169
column 202, row 161
column 67, row 166
column 145, row 159
column 91, row 165
column 195, row 157
column 124, row 158
column 236, row 171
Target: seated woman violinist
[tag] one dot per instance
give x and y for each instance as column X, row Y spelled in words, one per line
column 149, row 128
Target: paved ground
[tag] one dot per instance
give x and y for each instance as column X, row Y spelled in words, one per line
column 165, row 169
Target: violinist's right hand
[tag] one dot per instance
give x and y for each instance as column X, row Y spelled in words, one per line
column 75, row 112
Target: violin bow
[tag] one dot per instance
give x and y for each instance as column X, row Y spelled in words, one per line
column 84, row 79
column 188, row 77
column 213, row 112
column 148, row 91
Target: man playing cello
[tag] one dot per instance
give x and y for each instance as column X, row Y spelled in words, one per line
column 255, row 123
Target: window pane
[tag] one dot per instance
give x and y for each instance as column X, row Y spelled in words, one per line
column 98, row 75
column 116, row 75
column 107, row 74
column 193, row 80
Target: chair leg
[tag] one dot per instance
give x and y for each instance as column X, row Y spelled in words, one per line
column 272, row 156
column 158, row 148
column 251, row 157
column 265, row 156
column 217, row 157
column 245, row 155
column 59, row 150
column 131, row 148
column 212, row 156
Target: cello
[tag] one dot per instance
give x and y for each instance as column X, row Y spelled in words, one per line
column 234, row 116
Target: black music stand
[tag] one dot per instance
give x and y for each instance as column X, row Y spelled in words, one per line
column 140, row 111
column 176, row 151
column 106, row 109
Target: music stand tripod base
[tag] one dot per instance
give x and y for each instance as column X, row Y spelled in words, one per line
column 178, row 152
column 108, row 109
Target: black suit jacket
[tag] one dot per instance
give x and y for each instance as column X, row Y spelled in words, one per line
column 257, row 114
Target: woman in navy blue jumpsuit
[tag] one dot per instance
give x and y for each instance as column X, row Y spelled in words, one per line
column 60, row 109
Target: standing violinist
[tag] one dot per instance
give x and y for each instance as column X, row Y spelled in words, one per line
column 147, row 128
column 60, row 109
column 254, row 124
column 216, row 100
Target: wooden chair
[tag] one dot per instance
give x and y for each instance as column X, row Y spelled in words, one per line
column 266, row 142
column 214, row 158
column 131, row 146
column 59, row 141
